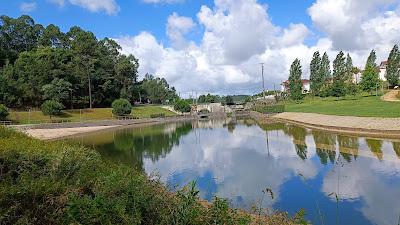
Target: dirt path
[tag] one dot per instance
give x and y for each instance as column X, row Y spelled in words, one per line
column 369, row 126
column 391, row 96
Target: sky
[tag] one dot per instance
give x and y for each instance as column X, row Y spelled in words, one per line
column 216, row 46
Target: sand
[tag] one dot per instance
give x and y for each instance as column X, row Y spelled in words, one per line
column 50, row 134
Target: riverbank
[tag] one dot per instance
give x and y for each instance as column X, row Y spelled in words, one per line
column 365, row 126
column 59, row 183
column 59, row 131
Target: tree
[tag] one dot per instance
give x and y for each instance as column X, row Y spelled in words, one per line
column 325, row 69
column 58, row 90
column 52, row 108
column 349, row 69
column 229, row 100
column 295, row 83
column 121, row 107
column 370, row 76
column 315, row 73
column 3, row 112
column 182, row 106
column 157, row 90
column 393, row 72
column 339, row 75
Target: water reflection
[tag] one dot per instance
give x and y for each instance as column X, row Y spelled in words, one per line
column 239, row 159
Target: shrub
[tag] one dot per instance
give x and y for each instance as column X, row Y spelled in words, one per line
column 182, row 106
column 52, row 108
column 3, row 112
column 121, row 107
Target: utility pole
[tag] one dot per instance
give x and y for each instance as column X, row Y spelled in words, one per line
column 262, row 75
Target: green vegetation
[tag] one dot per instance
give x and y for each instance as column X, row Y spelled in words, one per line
column 3, row 112
column 57, row 183
column 276, row 108
column 393, row 73
column 87, row 114
column 295, row 84
column 121, row 107
column 52, row 108
column 368, row 106
column 370, row 75
column 75, row 68
column 182, row 106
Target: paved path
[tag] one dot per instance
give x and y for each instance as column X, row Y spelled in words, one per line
column 345, row 124
column 391, row 96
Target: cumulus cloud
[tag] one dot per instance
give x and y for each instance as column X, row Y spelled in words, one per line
column 239, row 34
column 27, row 7
column 348, row 23
column 108, row 6
column 177, row 27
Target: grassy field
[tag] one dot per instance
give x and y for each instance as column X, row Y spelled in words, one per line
column 367, row 106
column 87, row 114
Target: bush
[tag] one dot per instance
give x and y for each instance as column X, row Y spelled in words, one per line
column 121, row 107
column 182, row 106
column 3, row 112
column 52, row 108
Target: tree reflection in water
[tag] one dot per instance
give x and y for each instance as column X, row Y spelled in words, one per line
column 131, row 146
column 376, row 147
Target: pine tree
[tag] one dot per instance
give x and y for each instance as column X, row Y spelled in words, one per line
column 370, row 76
column 295, row 83
column 339, row 75
column 325, row 68
column 392, row 72
column 315, row 75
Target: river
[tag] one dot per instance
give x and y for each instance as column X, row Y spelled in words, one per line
column 337, row 179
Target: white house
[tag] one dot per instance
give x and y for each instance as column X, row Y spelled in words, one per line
column 382, row 70
column 306, row 86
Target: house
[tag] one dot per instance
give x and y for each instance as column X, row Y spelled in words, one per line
column 382, row 70
column 305, row 90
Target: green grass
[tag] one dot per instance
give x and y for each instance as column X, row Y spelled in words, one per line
column 58, row 183
column 364, row 106
column 87, row 114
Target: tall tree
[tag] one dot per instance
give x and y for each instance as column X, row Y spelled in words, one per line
column 393, row 72
column 339, row 75
column 370, row 75
column 325, row 68
column 349, row 69
column 315, row 73
column 295, row 83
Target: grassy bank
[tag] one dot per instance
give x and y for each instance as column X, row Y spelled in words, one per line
column 57, row 183
column 87, row 114
column 366, row 106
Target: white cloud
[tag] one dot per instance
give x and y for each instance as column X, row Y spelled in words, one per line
column 108, row 6
column 177, row 27
column 238, row 35
column 346, row 21
column 27, row 7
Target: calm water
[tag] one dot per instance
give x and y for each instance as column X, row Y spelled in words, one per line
column 237, row 160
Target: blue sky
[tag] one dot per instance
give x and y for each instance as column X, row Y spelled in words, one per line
column 216, row 45
column 136, row 16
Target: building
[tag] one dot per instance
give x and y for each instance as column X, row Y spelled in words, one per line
column 382, row 70
column 306, row 86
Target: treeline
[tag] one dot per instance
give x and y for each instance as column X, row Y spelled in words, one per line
column 40, row 63
column 342, row 81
